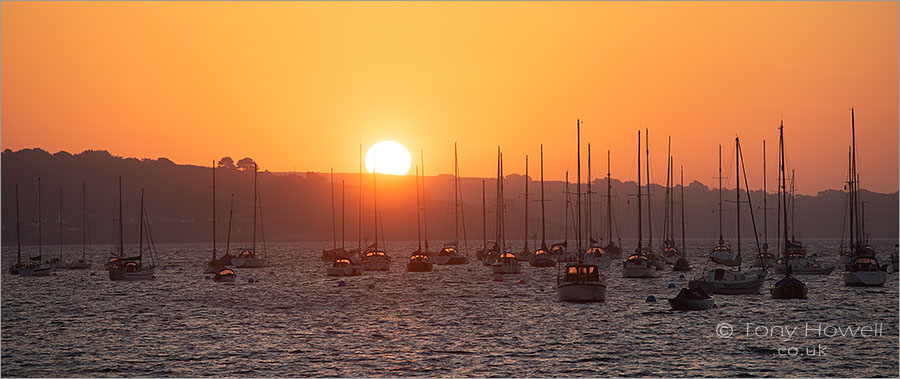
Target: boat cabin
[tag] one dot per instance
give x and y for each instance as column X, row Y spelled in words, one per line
column 507, row 256
column 447, row 251
column 865, row 264
column 581, row 273
column 341, row 263
column 246, row 254
column 418, row 257
column 558, row 248
column 540, row 252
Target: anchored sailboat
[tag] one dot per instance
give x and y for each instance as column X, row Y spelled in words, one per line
column 670, row 252
column 863, row 269
column 507, row 261
column 374, row 258
column 82, row 263
column 637, row 265
column 580, row 281
column 682, row 264
column 35, row 267
column 542, row 257
column 132, row 268
column 594, row 254
column 450, row 254
column 418, row 261
column 611, row 248
column 788, row 287
column 248, row 258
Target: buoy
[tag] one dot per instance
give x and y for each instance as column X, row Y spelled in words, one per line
column 371, row 286
column 271, row 272
column 469, row 270
column 671, row 285
column 681, row 276
column 54, row 274
column 651, row 299
column 521, row 281
column 498, row 278
column 153, row 277
column 92, row 274
column 342, row 283
column 250, row 280
column 715, row 305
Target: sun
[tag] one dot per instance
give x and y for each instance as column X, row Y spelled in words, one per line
column 388, row 157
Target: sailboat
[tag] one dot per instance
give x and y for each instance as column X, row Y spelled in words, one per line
column 418, row 261
column 594, row 254
column 670, row 252
column 59, row 263
column 525, row 254
column 794, row 254
column 637, row 265
column 374, row 258
column 648, row 252
column 488, row 254
column 560, row 250
column 788, row 287
column 682, row 264
column 611, row 248
column 721, row 253
column 14, row 269
column 215, row 265
column 450, row 254
column 330, row 255
column 765, row 257
column 82, row 263
column 132, row 268
column 35, row 267
column 248, row 257
column 542, row 257
column 580, row 281
column 733, row 282
column 863, row 269
column 507, row 261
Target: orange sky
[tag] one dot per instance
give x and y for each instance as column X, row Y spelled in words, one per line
column 297, row 85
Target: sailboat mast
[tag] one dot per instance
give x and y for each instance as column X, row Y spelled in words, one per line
column 590, row 232
column 18, row 232
column 526, row 204
column 683, row 239
column 418, row 219
column 484, row 215
column 502, row 208
column 40, row 221
column 566, row 214
column 60, row 223
column 649, row 204
column 721, row 239
column 499, row 198
column 359, row 205
column 214, row 211
column 854, row 241
column 455, row 193
column 230, row 214
column 543, row 222
column 765, row 195
column 608, row 197
column 375, row 196
column 121, row 234
column 667, row 215
column 783, row 184
column 141, row 232
column 333, row 222
column 640, row 211
column 793, row 209
column 737, row 193
column 578, row 230
column 424, row 200
column 343, row 194
column 255, row 200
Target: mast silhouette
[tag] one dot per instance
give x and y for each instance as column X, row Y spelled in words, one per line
column 526, row 204
column 543, row 222
column 649, row 204
column 640, row 248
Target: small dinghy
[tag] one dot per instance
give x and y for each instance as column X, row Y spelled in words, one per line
column 225, row 276
column 692, row 300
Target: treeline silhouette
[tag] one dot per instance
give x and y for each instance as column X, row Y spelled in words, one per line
column 298, row 206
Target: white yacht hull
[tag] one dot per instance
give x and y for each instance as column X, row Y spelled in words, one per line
column 864, row 278
column 639, row 272
column 593, row 291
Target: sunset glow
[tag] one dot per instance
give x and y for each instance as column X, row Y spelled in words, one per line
column 388, row 157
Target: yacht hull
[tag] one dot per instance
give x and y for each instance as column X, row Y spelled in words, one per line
column 35, row 271
column 789, row 292
column 249, row 262
column 581, row 292
column 864, row 278
column 729, row 288
column 419, row 267
column 683, row 304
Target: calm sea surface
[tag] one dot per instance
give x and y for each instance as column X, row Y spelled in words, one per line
column 455, row 321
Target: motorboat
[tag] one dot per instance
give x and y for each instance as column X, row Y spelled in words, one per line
column 692, row 300
column 342, row 267
column 789, row 288
column 581, row 282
